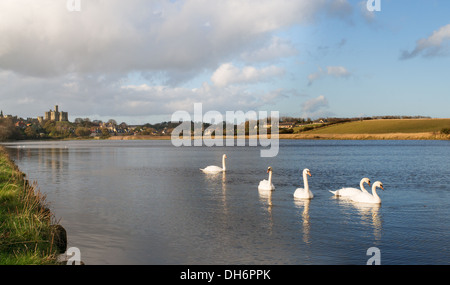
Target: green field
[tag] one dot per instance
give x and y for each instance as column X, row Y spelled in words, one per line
column 385, row 126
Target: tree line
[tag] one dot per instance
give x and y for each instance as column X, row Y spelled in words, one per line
column 11, row 129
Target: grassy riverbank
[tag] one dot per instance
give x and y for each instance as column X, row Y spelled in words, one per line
column 28, row 232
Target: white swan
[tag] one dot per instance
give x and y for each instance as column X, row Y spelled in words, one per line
column 215, row 169
column 350, row 191
column 304, row 193
column 367, row 197
column 267, row 184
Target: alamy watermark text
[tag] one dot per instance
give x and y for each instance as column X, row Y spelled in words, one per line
column 240, row 128
column 373, row 5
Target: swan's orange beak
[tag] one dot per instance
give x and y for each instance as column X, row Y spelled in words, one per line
column 309, row 173
column 381, row 186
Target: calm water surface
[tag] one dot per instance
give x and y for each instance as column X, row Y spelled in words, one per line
column 147, row 202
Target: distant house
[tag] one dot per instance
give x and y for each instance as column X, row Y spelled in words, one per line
column 286, row 125
column 20, row 124
column 321, row 121
column 208, row 132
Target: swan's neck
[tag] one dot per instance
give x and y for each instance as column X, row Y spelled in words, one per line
column 374, row 192
column 305, row 181
column 223, row 163
column 361, row 185
column 270, row 177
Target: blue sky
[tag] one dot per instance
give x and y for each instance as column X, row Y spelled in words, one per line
column 139, row 61
column 379, row 82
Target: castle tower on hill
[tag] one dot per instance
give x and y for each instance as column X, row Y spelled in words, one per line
column 56, row 115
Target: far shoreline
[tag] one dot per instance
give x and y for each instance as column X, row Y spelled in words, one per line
column 308, row 136
column 297, row 136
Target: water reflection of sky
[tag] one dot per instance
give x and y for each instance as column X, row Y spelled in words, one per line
column 146, row 202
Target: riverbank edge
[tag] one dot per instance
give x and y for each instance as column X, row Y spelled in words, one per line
column 27, row 206
column 309, row 136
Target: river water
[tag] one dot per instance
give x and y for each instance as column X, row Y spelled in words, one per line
column 147, row 202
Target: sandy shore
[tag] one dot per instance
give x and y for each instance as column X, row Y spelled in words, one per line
column 126, row 138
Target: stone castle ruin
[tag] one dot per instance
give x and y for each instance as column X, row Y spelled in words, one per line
column 56, row 115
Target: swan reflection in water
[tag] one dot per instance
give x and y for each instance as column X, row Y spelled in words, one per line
column 304, row 203
column 370, row 215
column 212, row 178
column 368, row 212
column 265, row 196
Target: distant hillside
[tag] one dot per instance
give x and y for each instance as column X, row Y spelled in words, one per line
column 385, row 126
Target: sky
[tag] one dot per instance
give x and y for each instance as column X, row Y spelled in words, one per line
column 140, row 61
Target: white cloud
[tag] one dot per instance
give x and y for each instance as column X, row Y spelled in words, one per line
column 276, row 49
column 42, row 38
column 228, row 74
column 335, row 71
column 314, row 104
column 81, row 60
column 435, row 45
column 142, row 99
column 110, row 96
column 315, row 108
column 314, row 76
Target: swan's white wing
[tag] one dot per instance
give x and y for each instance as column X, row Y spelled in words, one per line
column 301, row 193
column 211, row 169
column 364, row 197
column 347, row 192
column 264, row 185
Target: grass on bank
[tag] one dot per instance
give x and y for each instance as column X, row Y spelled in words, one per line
column 26, row 225
column 385, row 126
